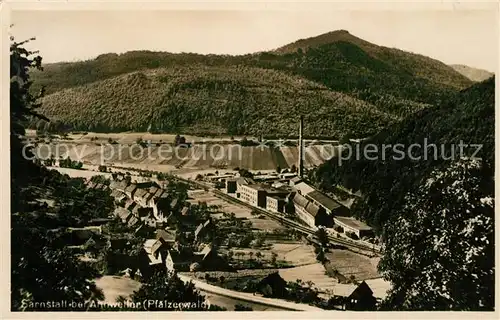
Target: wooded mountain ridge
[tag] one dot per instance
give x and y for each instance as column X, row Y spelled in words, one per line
column 374, row 87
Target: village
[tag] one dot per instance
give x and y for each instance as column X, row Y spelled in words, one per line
column 236, row 232
column 196, row 235
column 267, row 233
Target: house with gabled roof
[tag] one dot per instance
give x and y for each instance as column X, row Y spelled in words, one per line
column 160, row 192
column 141, row 196
column 173, row 203
column 148, row 198
column 351, row 224
column 177, row 261
column 309, row 212
column 295, row 180
column 119, row 196
column 130, row 205
column 152, row 246
column 122, row 213
column 166, row 236
column 331, row 206
column 303, row 188
column 157, row 194
column 132, row 221
column 270, row 284
column 130, row 190
column 122, row 185
column 356, row 297
column 114, row 184
column 101, row 186
column 209, row 259
column 153, row 189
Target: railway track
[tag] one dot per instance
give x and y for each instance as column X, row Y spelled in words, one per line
column 294, row 225
column 284, row 221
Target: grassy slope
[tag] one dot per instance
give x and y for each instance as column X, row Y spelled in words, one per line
column 469, row 117
column 473, row 74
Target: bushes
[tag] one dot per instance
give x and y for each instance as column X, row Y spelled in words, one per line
column 248, row 143
column 68, row 163
column 338, row 228
column 352, row 235
column 241, row 307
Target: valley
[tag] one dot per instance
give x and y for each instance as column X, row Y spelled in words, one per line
column 228, row 182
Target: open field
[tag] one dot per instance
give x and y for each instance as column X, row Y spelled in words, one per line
column 314, row 272
column 349, row 263
column 296, row 253
column 241, row 212
column 164, row 157
column 266, row 224
column 84, row 173
column 211, row 200
column 114, row 286
column 328, row 286
column 131, row 137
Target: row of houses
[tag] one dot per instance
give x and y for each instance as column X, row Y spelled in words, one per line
column 145, row 202
column 143, row 205
column 165, row 253
column 309, row 204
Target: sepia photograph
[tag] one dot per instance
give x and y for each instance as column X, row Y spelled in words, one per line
column 280, row 157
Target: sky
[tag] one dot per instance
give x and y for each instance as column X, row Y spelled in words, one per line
column 455, row 37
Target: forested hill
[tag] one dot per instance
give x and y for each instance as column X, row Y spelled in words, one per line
column 395, row 82
column 436, row 215
column 235, row 100
column 379, row 58
column 467, row 118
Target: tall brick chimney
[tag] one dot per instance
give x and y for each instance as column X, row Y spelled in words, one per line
column 300, row 166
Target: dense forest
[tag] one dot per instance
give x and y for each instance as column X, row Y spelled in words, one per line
column 324, row 77
column 433, row 205
column 235, row 100
column 467, row 118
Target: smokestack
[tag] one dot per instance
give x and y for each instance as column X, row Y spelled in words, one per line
column 300, row 166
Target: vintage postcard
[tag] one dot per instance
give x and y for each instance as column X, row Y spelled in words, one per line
column 316, row 157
